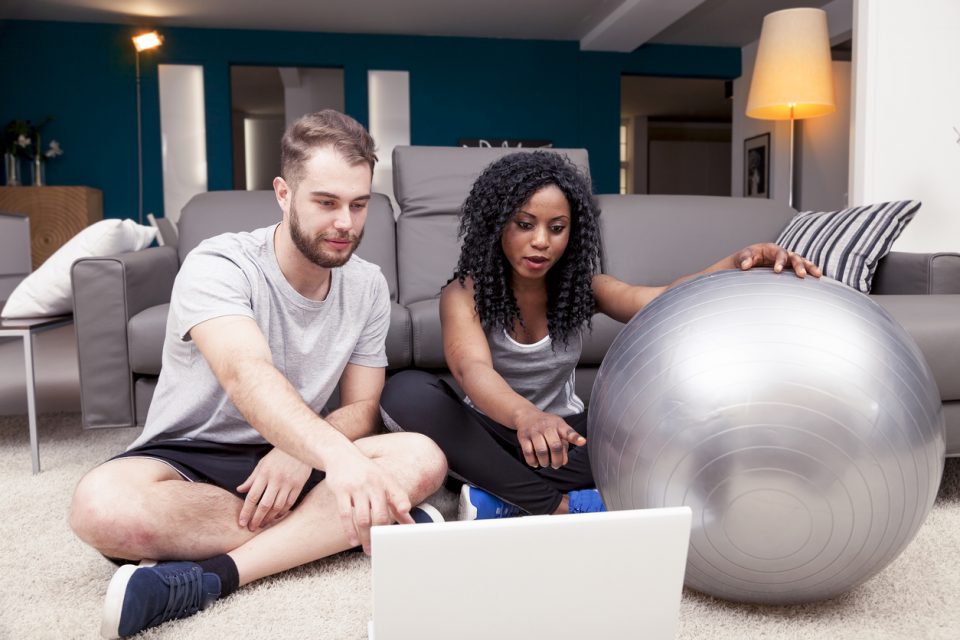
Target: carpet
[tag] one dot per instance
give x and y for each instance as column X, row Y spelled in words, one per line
column 52, row 585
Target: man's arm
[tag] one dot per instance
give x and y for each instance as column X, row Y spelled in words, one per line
column 359, row 412
column 240, row 358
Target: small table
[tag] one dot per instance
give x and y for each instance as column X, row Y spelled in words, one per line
column 27, row 328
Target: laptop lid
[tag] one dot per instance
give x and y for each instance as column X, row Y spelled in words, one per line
column 616, row 574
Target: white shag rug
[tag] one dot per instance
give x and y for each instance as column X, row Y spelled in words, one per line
column 52, row 585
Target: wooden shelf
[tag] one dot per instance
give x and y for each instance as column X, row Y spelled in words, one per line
column 56, row 214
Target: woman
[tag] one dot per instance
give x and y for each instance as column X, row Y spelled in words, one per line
column 525, row 288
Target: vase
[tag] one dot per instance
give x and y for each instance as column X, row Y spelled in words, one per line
column 11, row 169
column 38, row 171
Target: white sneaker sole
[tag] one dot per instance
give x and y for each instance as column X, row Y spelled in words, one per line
column 113, row 601
column 431, row 511
column 466, row 510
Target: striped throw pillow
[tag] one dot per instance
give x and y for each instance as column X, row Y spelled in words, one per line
column 848, row 244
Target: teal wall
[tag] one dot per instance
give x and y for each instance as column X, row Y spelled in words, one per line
column 84, row 76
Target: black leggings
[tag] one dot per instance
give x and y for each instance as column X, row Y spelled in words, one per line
column 479, row 450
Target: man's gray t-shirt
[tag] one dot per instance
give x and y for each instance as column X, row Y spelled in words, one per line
column 237, row 274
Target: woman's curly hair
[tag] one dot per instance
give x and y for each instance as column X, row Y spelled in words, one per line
column 496, row 196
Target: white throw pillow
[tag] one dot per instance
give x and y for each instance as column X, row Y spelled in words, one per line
column 47, row 291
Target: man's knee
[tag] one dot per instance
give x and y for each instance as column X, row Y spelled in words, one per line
column 90, row 516
column 103, row 515
column 427, row 459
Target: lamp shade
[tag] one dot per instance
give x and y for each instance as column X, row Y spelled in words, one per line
column 146, row 41
column 793, row 67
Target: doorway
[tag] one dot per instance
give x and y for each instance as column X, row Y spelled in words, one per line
column 675, row 135
column 263, row 102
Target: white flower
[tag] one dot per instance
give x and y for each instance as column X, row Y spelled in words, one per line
column 54, row 150
column 23, row 141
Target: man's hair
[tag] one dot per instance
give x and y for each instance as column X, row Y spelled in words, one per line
column 500, row 191
column 327, row 128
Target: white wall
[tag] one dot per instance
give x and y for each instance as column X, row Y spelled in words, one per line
column 824, row 162
column 906, row 65
column 261, row 141
column 183, row 136
column 389, row 113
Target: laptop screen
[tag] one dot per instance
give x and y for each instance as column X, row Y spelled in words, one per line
column 606, row 575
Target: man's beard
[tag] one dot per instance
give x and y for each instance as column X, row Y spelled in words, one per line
column 313, row 250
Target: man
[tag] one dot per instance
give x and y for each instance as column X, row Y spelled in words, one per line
column 236, row 476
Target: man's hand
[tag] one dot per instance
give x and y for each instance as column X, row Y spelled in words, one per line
column 544, row 439
column 366, row 495
column 271, row 489
column 772, row 255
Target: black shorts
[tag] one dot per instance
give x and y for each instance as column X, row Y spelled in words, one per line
column 224, row 465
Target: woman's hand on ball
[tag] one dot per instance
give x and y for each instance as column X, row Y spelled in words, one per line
column 544, row 439
column 768, row 254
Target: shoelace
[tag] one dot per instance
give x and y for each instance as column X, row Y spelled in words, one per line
column 185, row 594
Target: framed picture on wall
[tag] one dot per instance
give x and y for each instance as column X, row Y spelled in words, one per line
column 756, row 166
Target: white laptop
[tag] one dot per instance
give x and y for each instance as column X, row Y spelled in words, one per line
column 610, row 575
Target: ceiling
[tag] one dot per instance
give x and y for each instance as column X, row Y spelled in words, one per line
column 599, row 25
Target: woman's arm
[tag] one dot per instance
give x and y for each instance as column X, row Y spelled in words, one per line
column 622, row 301
column 543, row 437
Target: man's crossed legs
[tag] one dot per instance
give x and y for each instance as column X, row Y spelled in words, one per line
column 142, row 508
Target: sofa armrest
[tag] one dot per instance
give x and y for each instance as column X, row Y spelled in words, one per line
column 107, row 292
column 902, row 273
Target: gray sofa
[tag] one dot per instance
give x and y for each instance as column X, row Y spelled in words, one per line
column 14, row 251
column 121, row 301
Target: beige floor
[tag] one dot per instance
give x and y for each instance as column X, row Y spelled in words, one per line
column 52, row 586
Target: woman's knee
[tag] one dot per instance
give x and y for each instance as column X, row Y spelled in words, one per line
column 411, row 401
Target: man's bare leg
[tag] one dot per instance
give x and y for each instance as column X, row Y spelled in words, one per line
column 135, row 508
column 313, row 530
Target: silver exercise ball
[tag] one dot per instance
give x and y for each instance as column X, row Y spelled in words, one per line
column 795, row 417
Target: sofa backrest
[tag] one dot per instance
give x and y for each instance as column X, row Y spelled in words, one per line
column 215, row 212
column 430, row 184
column 653, row 240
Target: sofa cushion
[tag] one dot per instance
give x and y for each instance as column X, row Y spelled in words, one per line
column 209, row 214
column 14, row 251
column 598, row 340
column 847, row 244
column 399, row 344
column 427, row 338
column 431, row 184
column 145, row 334
column 653, row 240
column 917, row 273
column 932, row 322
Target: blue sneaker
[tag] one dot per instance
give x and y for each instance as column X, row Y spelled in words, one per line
column 142, row 597
column 585, row 501
column 425, row 512
column 477, row 504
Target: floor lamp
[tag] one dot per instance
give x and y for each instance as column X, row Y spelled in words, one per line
column 142, row 42
column 792, row 77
